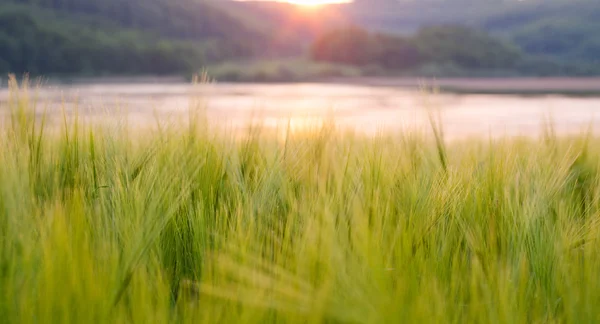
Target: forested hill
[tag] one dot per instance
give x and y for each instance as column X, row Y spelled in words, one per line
column 122, row 36
column 560, row 29
column 105, row 37
column 555, row 37
column 181, row 19
column 95, row 37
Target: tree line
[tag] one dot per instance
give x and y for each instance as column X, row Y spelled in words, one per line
column 94, row 37
column 30, row 43
column 446, row 47
column 119, row 36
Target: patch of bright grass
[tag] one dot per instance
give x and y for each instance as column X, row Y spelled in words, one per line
column 184, row 226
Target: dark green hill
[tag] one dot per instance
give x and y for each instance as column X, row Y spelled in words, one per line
column 180, row 19
column 123, row 36
column 44, row 42
column 564, row 30
column 98, row 37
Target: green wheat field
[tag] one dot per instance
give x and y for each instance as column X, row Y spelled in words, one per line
column 184, row 225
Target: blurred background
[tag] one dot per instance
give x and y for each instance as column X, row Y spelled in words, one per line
column 300, row 40
column 346, row 52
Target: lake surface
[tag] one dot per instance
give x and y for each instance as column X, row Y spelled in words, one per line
column 364, row 108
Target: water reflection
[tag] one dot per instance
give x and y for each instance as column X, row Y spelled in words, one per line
column 365, row 109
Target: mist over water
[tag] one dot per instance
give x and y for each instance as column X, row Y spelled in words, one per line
column 366, row 109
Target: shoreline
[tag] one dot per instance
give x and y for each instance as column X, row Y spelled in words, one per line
column 524, row 86
column 588, row 86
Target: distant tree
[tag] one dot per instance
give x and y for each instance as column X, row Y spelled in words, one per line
column 396, row 52
column 35, row 42
column 351, row 45
column 559, row 38
column 465, row 47
column 179, row 19
column 446, row 45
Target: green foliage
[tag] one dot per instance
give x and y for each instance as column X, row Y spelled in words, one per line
column 560, row 38
column 561, row 31
column 119, row 37
column 465, row 47
column 94, row 37
column 33, row 41
column 397, row 52
column 350, row 46
column 460, row 46
column 181, row 19
column 356, row 46
column 110, row 225
column 279, row 70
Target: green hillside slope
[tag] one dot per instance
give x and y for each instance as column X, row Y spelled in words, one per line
column 121, row 36
column 98, row 37
column 557, row 29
